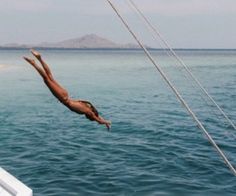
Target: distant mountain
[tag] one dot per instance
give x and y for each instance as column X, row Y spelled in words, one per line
column 15, row 45
column 88, row 41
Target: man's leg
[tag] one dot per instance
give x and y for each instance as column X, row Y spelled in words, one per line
column 46, row 68
column 43, row 63
column 56, row 89
column 40, row 71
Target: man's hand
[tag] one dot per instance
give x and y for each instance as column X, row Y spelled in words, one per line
column 108, row 125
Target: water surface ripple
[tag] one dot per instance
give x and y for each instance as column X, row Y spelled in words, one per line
column 154, row 147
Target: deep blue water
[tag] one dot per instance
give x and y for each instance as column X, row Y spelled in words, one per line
column 154, row 147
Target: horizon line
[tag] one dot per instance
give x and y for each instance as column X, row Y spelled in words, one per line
column 100, row 48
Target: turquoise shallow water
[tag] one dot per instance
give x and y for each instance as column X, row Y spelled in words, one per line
column 154, row 148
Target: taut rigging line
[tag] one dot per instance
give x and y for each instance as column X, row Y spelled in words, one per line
column 158, row 34
column 176, row 92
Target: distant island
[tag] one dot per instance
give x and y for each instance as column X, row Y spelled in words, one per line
column 91, row 41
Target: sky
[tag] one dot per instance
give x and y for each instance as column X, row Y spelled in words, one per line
column 184, row 23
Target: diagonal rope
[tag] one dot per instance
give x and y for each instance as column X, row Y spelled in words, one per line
column 158, row 34
column 173, row 89
column 155, row 34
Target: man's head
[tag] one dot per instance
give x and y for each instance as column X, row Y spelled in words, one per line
column 92, row 108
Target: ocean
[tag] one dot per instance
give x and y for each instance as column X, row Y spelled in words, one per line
column 154, row 146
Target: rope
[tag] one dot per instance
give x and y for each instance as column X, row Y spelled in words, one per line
column 173, row 89
column 194, row 85
column 157, row 33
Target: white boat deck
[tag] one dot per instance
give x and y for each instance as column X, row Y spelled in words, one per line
column 10, row 186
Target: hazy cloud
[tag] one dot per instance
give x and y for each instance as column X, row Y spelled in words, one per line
column 183, row 7
column 81, row 6
column 25, row 5
column 167, row 7
column 200, row 23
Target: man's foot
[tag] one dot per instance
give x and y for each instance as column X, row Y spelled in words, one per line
column 36, row 54
column 29, row 60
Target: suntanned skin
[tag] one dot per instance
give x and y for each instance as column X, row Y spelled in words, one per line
column 77, row 106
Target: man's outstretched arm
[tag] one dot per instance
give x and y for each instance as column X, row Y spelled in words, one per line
column 100, row 120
